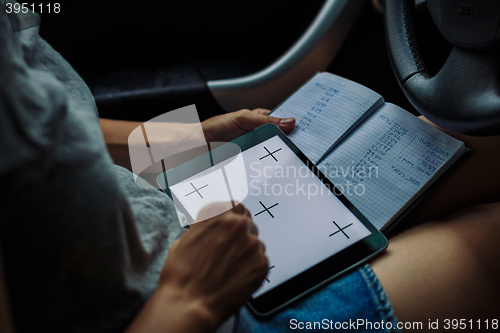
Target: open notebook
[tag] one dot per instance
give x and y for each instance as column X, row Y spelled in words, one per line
column 378, row 155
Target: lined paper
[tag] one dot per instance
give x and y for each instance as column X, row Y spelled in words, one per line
column 327, row 108
column 391, row 157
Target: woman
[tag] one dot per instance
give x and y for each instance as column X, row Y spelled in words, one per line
column 85, row 248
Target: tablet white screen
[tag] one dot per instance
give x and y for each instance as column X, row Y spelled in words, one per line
column 300, row 221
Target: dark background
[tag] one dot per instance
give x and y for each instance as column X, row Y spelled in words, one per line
column 142, row 59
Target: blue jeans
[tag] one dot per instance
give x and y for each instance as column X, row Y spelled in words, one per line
column 356, row 302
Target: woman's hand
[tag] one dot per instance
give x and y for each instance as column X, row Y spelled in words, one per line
column 222, row 128
column 210, row 272
column 229, row 126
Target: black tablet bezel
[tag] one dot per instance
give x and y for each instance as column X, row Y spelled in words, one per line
column 317, row 275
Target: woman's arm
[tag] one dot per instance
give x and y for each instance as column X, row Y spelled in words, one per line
column 220, row 128
column 116, row 134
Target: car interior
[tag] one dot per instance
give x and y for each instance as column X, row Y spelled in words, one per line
column 170, row 59
column 224, row 56
column 180, row 56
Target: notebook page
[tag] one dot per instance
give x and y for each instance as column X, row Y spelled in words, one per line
column 387, row 161
column 326, row 108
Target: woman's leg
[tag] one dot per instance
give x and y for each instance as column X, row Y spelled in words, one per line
column 446, row 268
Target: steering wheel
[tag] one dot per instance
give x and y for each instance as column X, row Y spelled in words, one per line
column 464, row 96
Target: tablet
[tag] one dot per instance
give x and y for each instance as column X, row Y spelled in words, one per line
column 312, row 233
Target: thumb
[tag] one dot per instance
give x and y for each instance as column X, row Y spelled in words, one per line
column 285, row 124
column 254, row 120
